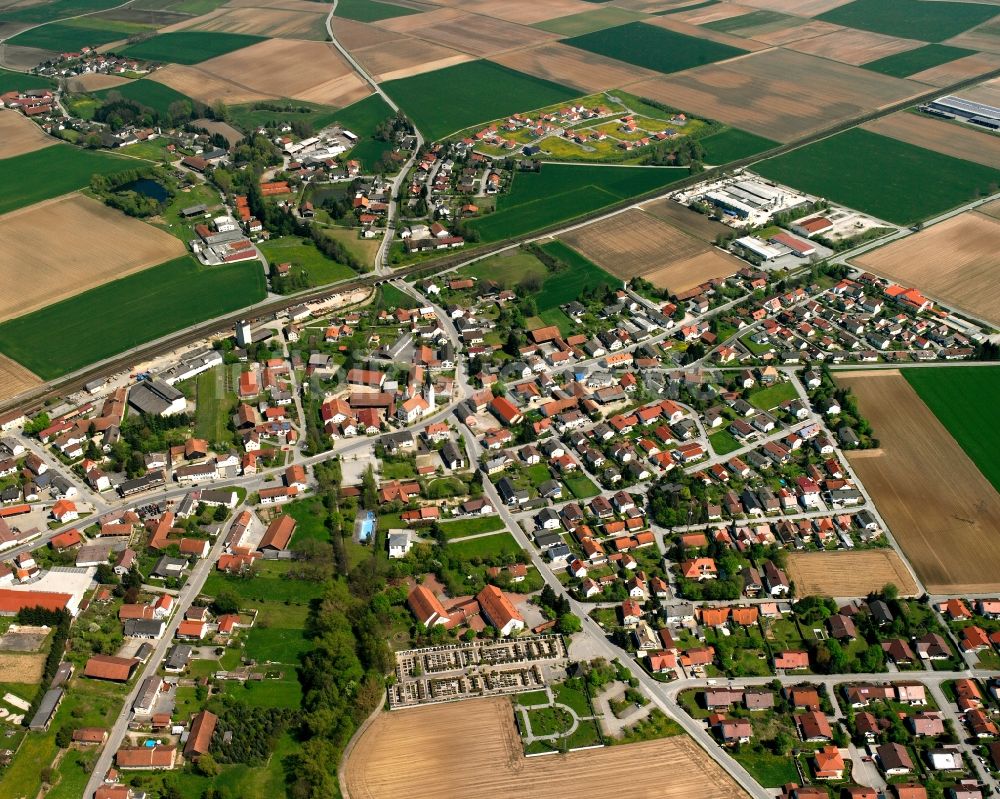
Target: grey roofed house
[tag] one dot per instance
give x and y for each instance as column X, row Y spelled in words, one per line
column 550, row 489
column 880, row 612
column 143, row 628
column 144, row 651
column 169, row 567
column 393, row 442
column 46, row 709
column 154, row 397
column 96, row 554
column 145, row 699
column 220, row 496
column 547, row 540
column 452, row 455
column 177, row 658
column 63, row 673
column 558, row 552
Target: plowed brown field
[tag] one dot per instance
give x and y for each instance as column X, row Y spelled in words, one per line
column 844, row 573
column 637, row 244
column 94, row 82
column 470, row 33
column 471, row 750
column 774, row 78
column 691, row 222
column 794, row 32
column 19, row 135
column 273, row 22
column 956, row 261
column 405, row 57
column 941, row 510
column 959, row 69
column 14, row 378
column 524, row 12
column 89, row 244
column 804, row 8
column 571, row 66
column 854, row 47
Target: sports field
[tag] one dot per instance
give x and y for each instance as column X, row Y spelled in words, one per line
column 941, row 509
column 189, row 47
column 371, row 10
column 964, row 400
column 732, row 144
column 560, row 192
column 914, row 19
column 112, row 318
column 653, row 47
column 840, row 168
column 472, row 749
column 148, row 93
column 902, row 65
column 845, row 573
column 477, row 91
column 37, row 176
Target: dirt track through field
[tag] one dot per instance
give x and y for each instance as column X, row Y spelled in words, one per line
column 942, row 511
column 849, row 573
column 471, row 750
column 961, row 141
column 637, row 244
column 956, row 261
column 19, row 135
column 781, row 110
column 90, row 244
column 14, row 378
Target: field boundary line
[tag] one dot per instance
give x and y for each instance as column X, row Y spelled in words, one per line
column 361, row 730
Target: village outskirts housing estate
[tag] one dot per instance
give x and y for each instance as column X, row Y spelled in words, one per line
column 609, row 385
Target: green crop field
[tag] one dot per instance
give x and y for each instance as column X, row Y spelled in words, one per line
column 371, row 10
column 189, row 47
column 300, row 252
column 560, row 192
column 18, row 81
column 911, row 62
column 361, row 118
column 37, row 176
column 76, row 33
column 477, row 91
column 654, row 48
column 910, row 183
column 507, row 268
column 110, row 319
column 58, row 9
column 692, row 7
column 964, row 400
column 250, row 116
column 754, row 19
column 732, row 144
column 589, row 21
column 148, row 93
column 567, row 285
column 912, row 19
column 489, row 546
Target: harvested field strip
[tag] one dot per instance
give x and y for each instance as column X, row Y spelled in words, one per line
column 189, row 47
column 523, row 12
column 19, row 135
column 855, row 47
column 471, row 33
column 569, row 66
column 959, row 69
column 95, row 244
column 75, row 332
column 560, row 192
column 653, row 47
column 964, row 401
column 14, row 378
column 956, row 261
column 477, row 92
column 589, row 21
column 914, row 19
column 406, row 58
column 849, row 573
column 948, row 138
column 839, row 168
column 273, row 22
column 411, row 753
column 93, row 82
column 902, row 65
column 941, row 509
column 43, row 174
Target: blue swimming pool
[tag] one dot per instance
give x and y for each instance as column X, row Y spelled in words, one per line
column 367, row 527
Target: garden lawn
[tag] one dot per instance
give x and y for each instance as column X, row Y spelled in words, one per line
column 303, row 253
column 393, row 297
column 189, row 47
column 485, row 548
column 532, row 698
column 148, row 93
column 911, row 19
column 567, row 285
column 732, row 144
column 271, row 584
column 964, row 400
column 478, row 524
column 310, row 517
column 911, row 183
column 901, row 65
column 18, row 81
column 581, row 486
column 286, row 692
column 574, row 699
column 213, row 406
column 723, row 442
column 276, row 644
column 112, row 318
column 477, row 91
column 654, row 48
column 769, row 770
column 43, row 174
column 560, row 192
column 370, row 10
column 250, row 116
column 767, row 398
